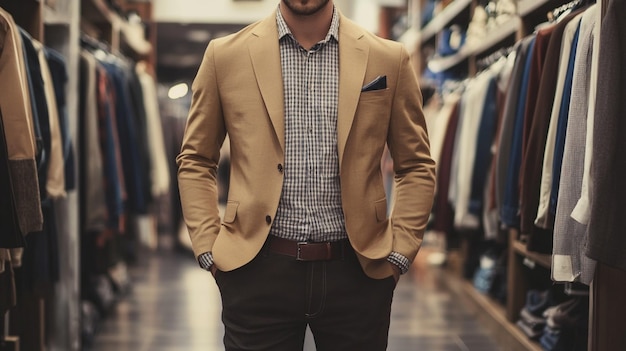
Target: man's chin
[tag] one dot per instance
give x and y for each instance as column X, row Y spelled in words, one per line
column 305, row 7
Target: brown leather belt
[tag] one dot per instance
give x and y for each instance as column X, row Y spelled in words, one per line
column 309, row 251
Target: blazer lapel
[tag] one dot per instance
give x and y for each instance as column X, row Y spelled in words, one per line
column 353, row 53
column 265, row 56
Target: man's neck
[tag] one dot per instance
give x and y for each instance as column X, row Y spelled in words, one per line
column 309, row 30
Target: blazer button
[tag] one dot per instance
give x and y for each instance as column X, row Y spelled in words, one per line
column 280, row 168
column 268, row 219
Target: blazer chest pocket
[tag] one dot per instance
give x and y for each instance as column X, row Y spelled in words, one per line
column 375, row 102
column 376, row 96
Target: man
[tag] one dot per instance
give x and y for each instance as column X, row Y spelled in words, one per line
column 308, row 100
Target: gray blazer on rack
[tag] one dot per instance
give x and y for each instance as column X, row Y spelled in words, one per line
column 569, row 260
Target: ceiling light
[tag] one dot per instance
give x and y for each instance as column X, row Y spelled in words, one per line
column 178, row 91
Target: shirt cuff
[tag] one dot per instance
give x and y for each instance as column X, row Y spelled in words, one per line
column 206, row 261
column 399, row 260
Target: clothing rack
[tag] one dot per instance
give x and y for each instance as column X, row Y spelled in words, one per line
column 94, row 45
column 452, row 86
column 89, row 42
column 565, row 9
column 492, row 58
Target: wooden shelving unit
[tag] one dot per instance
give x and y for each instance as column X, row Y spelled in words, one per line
column 532, row 257
column 145, row 49
column 506, row 30
column 28, row 14
column 525, row 269
column 54, row 16
column 99, row 22
column 493, row 315
column 55, row 24
column 58, row 25
column 500, row 319
column 525, row 7
column 446, row 16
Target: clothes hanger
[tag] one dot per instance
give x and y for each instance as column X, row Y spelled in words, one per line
column 91, row 43
column 562, row 11
column 102, row 50
column 492, row 58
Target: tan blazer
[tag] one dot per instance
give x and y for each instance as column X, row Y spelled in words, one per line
column 239, row 91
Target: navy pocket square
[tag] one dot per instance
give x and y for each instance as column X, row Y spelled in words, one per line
column 379, row 83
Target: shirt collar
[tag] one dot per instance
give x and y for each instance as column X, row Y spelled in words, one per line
column 333, row 31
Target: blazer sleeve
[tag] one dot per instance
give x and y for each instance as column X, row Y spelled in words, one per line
column 413, row 166
column 199, row 157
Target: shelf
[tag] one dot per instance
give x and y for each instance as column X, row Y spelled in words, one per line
column 26, row 14
column 411, row 38
column 491, row 314
column 494, row 316
column 524, row 7
column 543, row 260
column 56, row 17
column 134, row 39
column 96, row 11
column 495, row 36
column 104, row 24
column 440, row 21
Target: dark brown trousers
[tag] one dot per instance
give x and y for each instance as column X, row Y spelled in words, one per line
column 268, row 303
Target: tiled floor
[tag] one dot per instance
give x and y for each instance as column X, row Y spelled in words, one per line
column 175, row 306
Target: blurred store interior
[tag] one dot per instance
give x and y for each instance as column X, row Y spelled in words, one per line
column 519, row 253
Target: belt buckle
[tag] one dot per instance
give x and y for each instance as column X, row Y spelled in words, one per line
column 298, row 253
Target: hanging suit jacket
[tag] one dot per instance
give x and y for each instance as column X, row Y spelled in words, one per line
column 535, row 81
column 568, row 251
column 239, row 91
column 93, row 206
column 505, row 138
column 544, row 220
column 533, row 157
column 11, row 236
column 159, row 172
column 607, row 242
column 59, row 75
column 19, row 131
column 55, row 182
